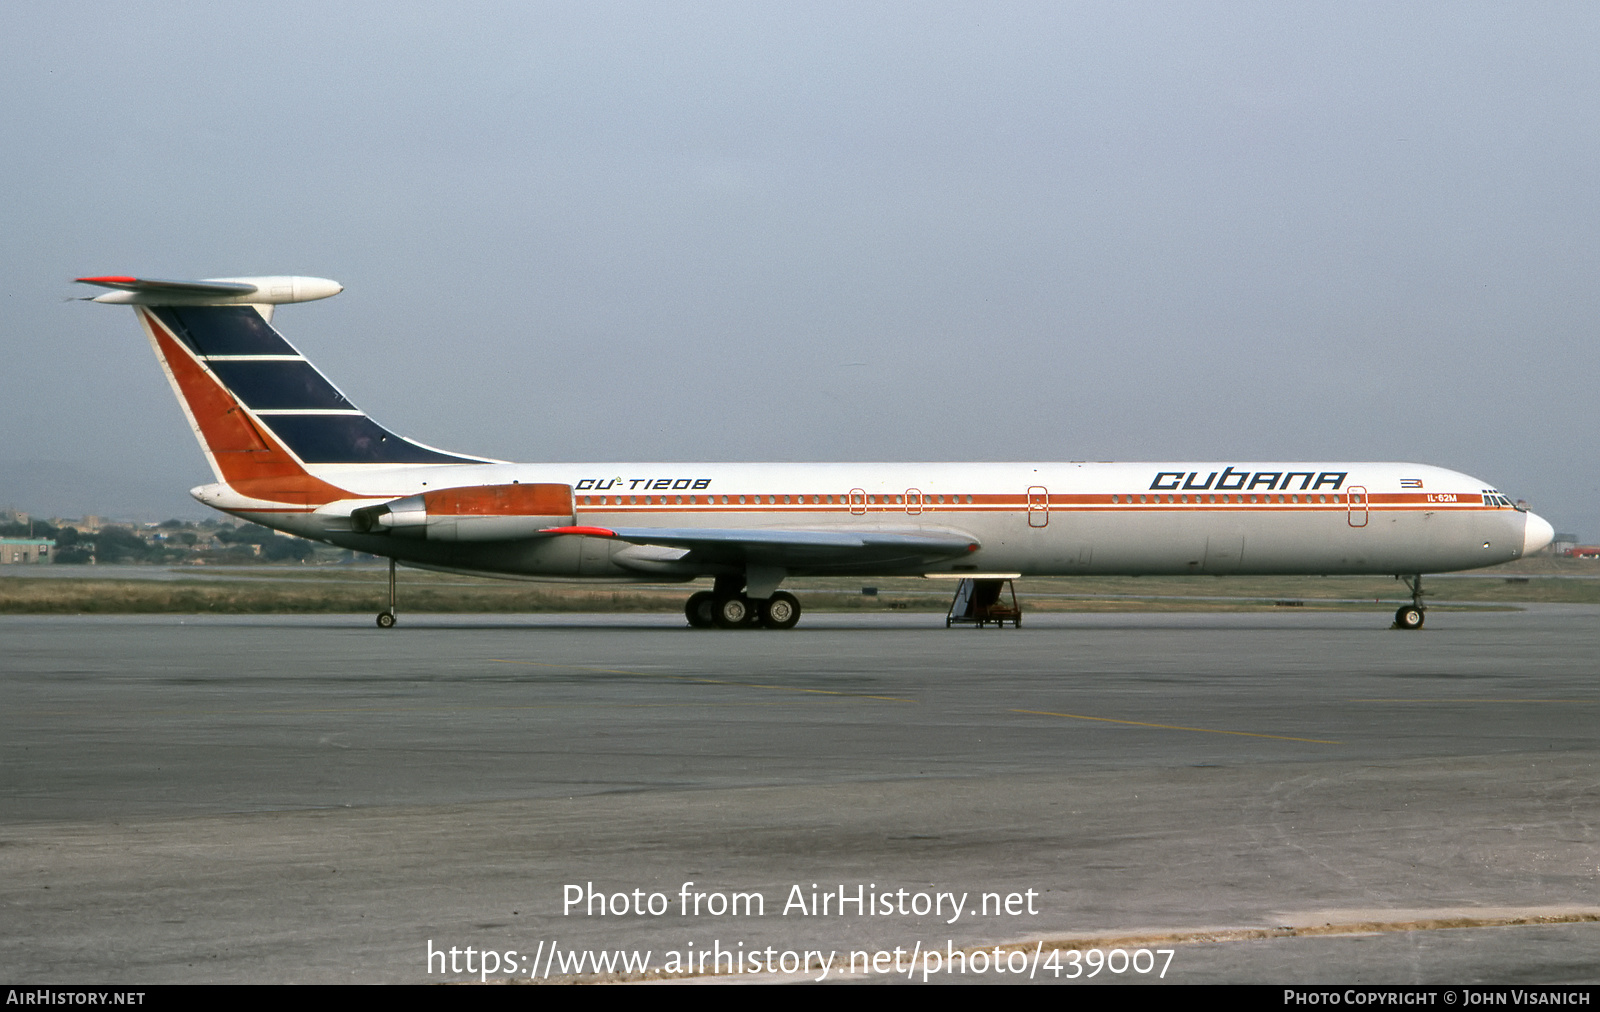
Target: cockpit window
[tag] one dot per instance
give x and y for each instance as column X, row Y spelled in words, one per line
column 1493, row 497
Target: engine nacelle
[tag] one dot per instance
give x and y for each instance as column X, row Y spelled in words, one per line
column 470, row 513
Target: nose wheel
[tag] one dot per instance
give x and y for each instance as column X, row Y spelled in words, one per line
column 1410, row 616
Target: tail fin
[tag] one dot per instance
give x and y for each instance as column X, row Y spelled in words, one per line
column 261, row 412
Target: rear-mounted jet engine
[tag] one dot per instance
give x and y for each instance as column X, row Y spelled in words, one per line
column 472, row 513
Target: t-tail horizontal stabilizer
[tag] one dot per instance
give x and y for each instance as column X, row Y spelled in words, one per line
column 264, row 291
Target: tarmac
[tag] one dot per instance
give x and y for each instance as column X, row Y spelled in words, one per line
column 1287, row 798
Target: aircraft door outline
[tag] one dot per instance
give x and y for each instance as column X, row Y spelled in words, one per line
column 1038, row 506
column 1356, row 511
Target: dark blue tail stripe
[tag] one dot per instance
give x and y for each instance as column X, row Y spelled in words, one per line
column 350, row 439
column 290, row 384
column 223, row 330
column 280, row 385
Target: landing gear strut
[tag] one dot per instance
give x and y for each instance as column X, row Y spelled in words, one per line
column 1410, row 616
column 386, row 618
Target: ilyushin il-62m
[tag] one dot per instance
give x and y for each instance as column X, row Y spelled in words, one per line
column 289, row 451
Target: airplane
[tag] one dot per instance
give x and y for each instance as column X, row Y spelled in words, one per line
column 290, row 452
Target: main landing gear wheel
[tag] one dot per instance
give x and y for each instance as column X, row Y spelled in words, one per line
column 385, row 620
column 700, row 610
column 780, row 611
column 737, row 612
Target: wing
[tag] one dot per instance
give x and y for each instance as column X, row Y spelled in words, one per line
column 839, row 550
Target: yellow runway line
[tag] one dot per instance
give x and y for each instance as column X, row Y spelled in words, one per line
column 440, row 708
column 1475, row 700
column 1178, row 727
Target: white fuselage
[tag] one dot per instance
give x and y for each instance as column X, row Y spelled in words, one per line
column 1074, row 518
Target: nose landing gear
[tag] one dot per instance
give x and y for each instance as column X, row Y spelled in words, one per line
column 1410, row 616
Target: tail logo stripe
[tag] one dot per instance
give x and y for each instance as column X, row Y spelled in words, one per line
column 223, row 330
column 351, row 439
column 286, row 394
column 247, row 459
column 307, row 411
column 279, row 383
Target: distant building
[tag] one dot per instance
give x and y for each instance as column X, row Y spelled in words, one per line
column 1563, row 543
column 26, row 551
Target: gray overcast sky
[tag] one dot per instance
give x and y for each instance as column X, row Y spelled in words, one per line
column 769, row 231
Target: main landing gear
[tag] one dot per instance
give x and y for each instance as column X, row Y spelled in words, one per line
column 386, row 618
column 1410, row 616
column 708, row 609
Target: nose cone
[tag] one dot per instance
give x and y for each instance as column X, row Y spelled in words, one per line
column 1537, row 534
